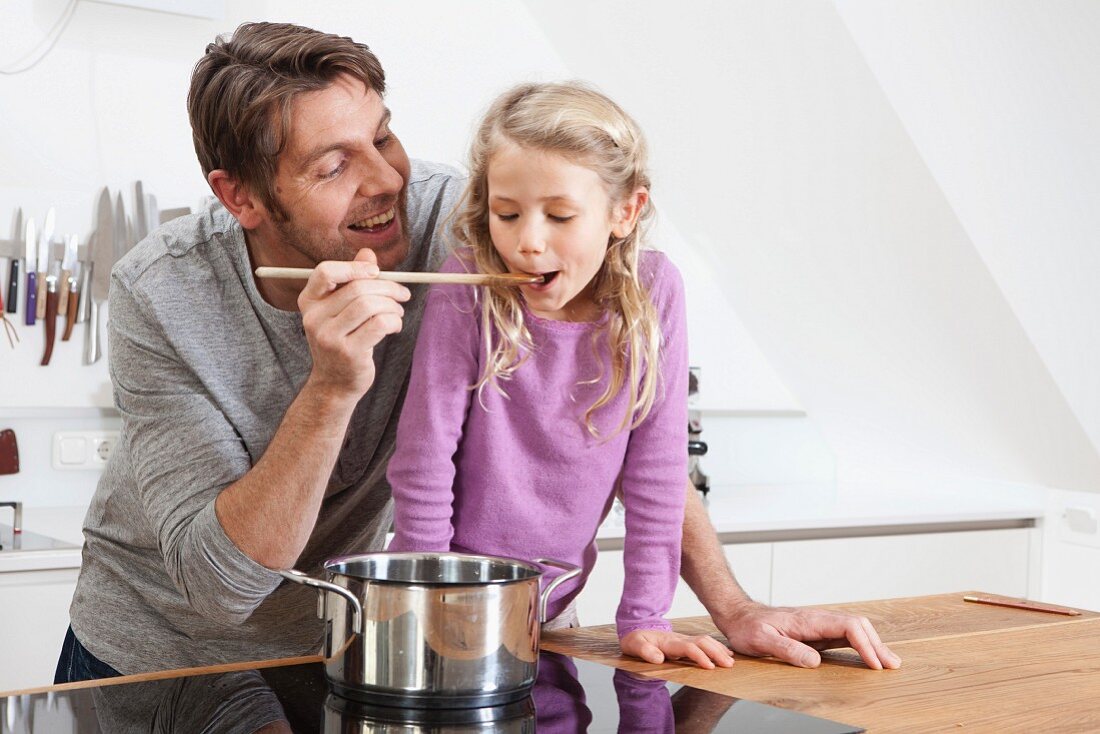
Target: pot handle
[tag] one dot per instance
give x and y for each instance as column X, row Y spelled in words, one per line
column 298, row 577
column 570, row 572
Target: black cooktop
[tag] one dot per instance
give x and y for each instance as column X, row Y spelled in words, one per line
column 570, row 696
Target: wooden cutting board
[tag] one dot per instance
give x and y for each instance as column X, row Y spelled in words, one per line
column 966, row 667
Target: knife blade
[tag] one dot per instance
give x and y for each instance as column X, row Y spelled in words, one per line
column 152, row 214
column 141, row 219
column 15, row 253
column 30, row 242
column 44, row 262
column 123, row 229
column 101, row 257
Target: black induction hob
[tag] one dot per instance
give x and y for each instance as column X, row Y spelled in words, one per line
column 570, row 696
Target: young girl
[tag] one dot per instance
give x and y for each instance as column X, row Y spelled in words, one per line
column 529, row 407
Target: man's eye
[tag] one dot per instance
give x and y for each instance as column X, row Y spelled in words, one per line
column 334, row 172
column 384, row 141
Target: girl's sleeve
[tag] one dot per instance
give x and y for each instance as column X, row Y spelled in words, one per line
column 654, row 476
column 422, row 470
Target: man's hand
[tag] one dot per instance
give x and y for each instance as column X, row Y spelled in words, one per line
column 792, row 635
column 270, row 512
column 346, row 312
column 796, row 635
column 654, row 646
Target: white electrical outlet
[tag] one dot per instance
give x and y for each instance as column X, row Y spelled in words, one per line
column 83, row 449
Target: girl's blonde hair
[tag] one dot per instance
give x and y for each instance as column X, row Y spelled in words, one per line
column 587, row 128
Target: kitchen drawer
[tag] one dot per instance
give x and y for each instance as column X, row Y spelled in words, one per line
column 34, row 614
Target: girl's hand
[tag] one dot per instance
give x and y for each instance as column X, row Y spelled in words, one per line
column 654, row 646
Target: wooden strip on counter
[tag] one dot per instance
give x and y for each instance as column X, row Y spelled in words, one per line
column 166, row 674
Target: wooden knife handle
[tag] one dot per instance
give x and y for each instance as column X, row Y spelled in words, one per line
column 50, row 308
column 63, row 301
column 70, row 317
column 41, row 312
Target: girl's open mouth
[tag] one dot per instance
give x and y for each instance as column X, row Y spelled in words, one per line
column 547, row 279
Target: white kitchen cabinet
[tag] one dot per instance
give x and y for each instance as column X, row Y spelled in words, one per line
column 882, row 567
column 751, row 562
column 34, row 614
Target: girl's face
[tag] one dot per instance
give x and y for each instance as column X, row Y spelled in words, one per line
column 549, row 216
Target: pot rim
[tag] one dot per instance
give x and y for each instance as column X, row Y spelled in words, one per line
column 408, row 555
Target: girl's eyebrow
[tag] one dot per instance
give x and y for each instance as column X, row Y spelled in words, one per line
column 556, row 197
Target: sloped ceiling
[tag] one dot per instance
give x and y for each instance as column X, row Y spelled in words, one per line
column 790, row 170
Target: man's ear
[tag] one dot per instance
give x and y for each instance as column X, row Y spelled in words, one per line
column 627, row 212
column 238, row 199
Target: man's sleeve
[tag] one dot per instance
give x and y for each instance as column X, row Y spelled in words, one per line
column 182, row 451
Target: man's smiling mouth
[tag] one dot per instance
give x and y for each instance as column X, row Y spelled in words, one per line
column 377, row 221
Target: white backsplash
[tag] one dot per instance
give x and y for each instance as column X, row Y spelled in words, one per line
column 764, row 449
column 38, row 484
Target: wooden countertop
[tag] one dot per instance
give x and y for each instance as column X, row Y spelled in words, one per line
column 965, row 667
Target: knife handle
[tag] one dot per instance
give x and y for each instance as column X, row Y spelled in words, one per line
column 13, row 285
column 32, row 297
column 41, row 312
column 70, row 317
column 51, row 318
column 85, row 291
column 63, row 300
column 91, row 344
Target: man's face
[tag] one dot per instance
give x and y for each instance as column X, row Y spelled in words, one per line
column 341, row 182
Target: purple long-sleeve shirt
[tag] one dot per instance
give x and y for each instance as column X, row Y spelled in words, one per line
column 520, row 476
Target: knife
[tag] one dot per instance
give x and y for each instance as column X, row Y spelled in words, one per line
column 14, row 253
column 30, row 241
column 50, row 316
column 44, row 263
column 123, row 229
column 101, row 252
column 152, row 214
column 141, row 219
column 103, row 233
column 66, row 303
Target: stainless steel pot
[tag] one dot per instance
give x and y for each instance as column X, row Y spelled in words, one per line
column 432, row 630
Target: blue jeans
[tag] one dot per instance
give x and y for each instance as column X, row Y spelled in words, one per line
column 76, row 663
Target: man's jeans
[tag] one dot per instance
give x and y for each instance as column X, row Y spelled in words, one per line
column 76, row 663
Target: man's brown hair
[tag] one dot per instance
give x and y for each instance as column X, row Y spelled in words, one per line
column 242, row 90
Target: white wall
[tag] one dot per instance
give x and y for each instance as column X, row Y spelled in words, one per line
column 106, row 107
column 786, row 166
column 1001, row 101
column 827, row 269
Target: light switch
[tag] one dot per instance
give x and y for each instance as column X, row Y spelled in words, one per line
column 82, row 450
column 72, row 450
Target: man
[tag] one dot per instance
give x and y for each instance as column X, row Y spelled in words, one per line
column 258, row 415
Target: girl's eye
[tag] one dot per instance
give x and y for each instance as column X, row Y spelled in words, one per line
column 507, row 217
column 561, row 219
